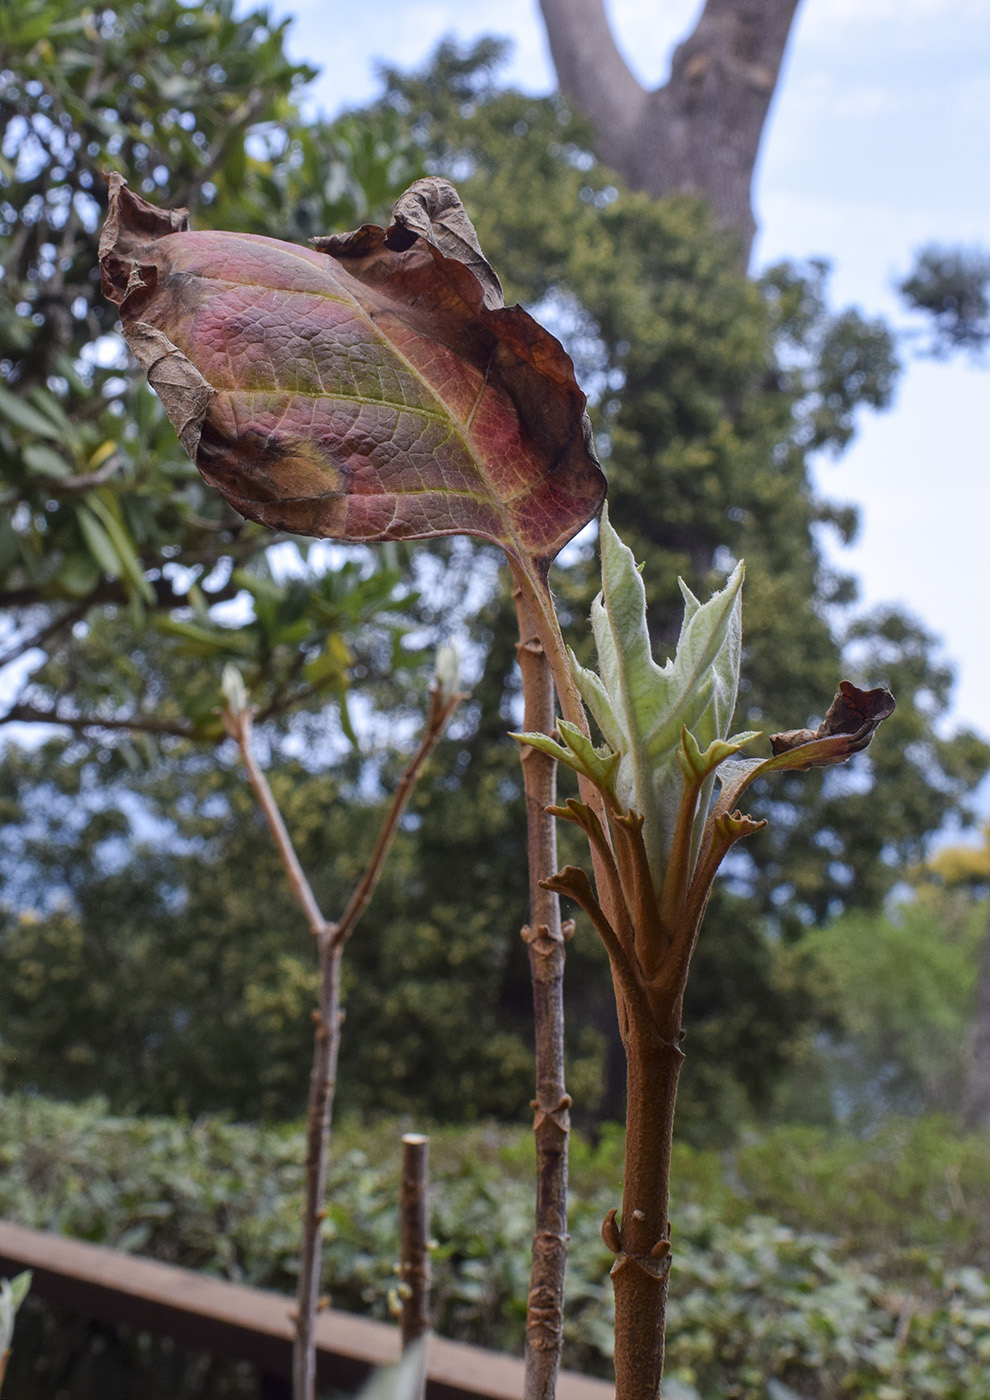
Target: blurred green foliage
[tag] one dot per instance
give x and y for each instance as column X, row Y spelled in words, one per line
column 109, row 541
column 904, row 986
column 126, row 585
column 817, row 1261
column 951, row 287
column 113, row 872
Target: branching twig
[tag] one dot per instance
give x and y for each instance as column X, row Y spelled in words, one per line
column 330, row 939
column 86, row 481
column 442, row 707
column 240, row 727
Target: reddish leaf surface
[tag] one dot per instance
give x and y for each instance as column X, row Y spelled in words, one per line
column 373, row 389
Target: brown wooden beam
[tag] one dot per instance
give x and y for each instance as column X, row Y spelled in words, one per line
column 251, row 1323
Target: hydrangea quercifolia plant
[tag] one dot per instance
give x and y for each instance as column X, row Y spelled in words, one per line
column 375, row 387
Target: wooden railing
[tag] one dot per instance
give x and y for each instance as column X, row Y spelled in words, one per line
column 250, row 1323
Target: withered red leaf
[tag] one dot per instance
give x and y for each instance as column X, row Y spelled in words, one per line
column 372, row 389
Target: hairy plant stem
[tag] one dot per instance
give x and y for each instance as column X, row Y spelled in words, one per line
column 542, row 617
column 544, row 936
column 330, row 939
column 642, row 1265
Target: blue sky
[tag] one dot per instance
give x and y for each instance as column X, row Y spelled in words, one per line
column 877, row 144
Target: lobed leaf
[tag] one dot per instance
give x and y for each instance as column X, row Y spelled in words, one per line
column 372, row 389
column 642, row 708
column 579, row 753
column 697, row 763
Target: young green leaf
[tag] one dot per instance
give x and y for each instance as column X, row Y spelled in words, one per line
column 579, row 753
column 12, row 1294
column 697, row 763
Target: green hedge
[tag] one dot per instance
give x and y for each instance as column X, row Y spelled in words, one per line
column 805, row 1262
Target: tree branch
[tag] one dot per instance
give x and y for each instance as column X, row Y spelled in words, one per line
column 442, row 708
column 148, row 724
column 241, row 729
column 593, row 74
column 701, row 132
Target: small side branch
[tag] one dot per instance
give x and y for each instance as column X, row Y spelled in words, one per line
column 146, row 724
column 330, row 938
column 241, row 729
column 442, row 708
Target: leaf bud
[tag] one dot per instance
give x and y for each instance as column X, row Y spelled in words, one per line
column 447, row 670
column 233, row 689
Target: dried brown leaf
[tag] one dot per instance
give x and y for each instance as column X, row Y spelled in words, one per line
column 373, row 389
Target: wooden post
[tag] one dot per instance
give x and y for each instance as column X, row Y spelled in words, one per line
column 414, row 1211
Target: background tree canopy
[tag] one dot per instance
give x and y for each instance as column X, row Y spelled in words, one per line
column 126, row 585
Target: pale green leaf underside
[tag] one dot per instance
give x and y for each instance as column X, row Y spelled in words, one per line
column 640, row 707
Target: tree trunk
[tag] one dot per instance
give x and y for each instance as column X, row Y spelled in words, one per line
column 976, row 1101
column 700, row 133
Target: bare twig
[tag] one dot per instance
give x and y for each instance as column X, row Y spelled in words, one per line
column 322, row 1087
column 442, row 707
column 240, row 727
column 86, row 481
column 544, row 937
column 330, row 939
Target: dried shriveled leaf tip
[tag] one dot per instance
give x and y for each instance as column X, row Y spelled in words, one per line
column 852, row 720
column 372, row 388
